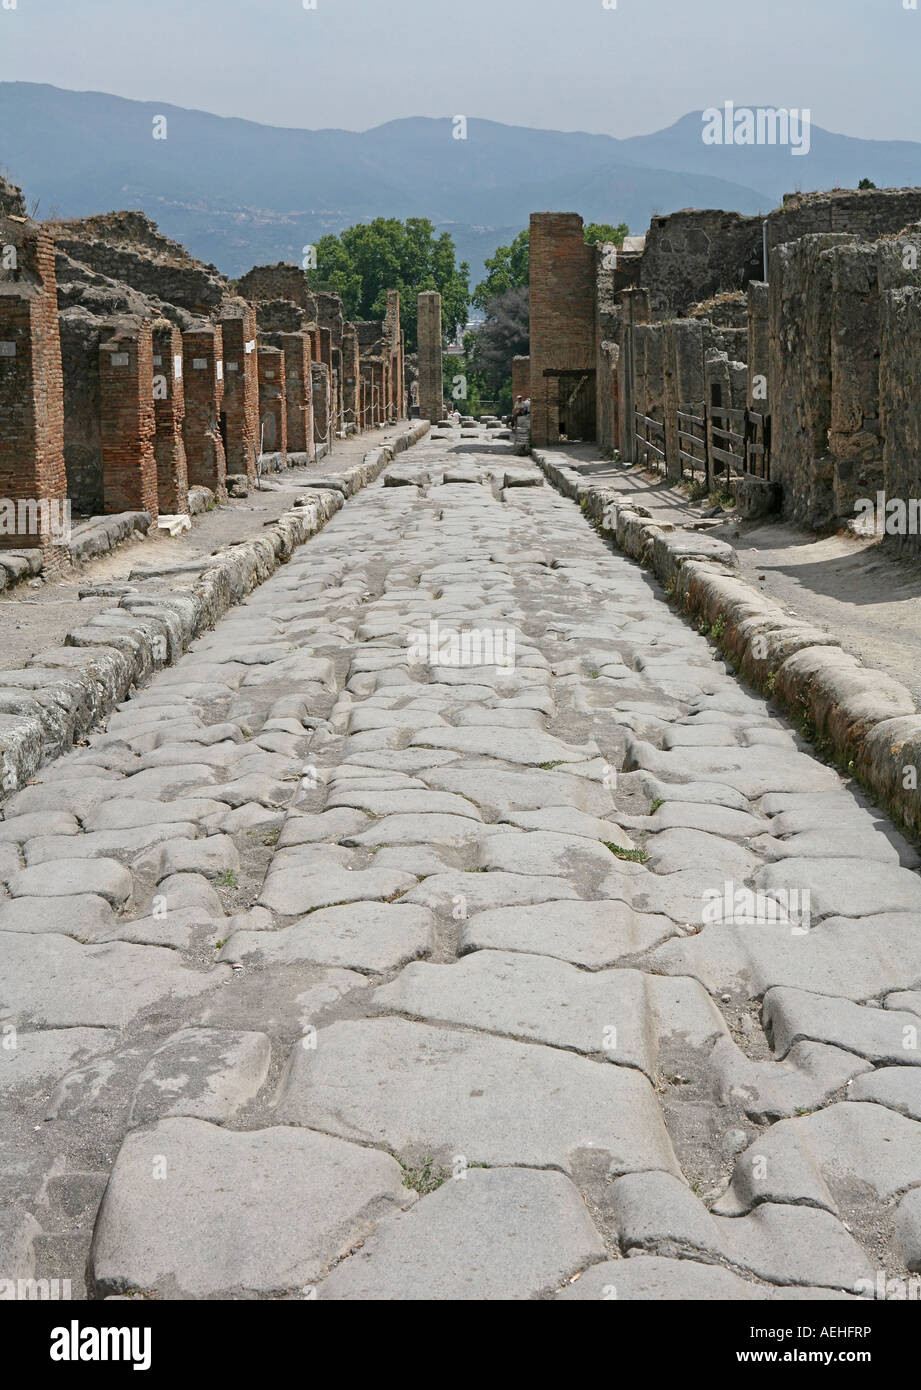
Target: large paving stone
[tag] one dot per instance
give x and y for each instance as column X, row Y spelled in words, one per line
column 358, row 936
column 192, row 1210
column 880, row 1035
column 302, row 879
column 853, row 959
column 528, row 746
column 829, row 1159
column 504, row 1233
column 51, row 980
column 459, row 894
column 66, row 878
column 86, row 916
column 209, row 1073
column 47, row 1053
column 424, row 829
column 849, row 887
column 592, row 934
column 898, row 1087
column 499, row 791
column 429, row 1091
column 648, row 1278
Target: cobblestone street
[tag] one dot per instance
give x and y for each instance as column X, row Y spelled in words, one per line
column 450, row 922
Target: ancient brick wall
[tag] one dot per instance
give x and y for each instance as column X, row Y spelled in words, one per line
column 241, row 386
column 169, row 413
column 521, row 378
column 127, row 423
column 319, row 376
column 203, row 377
column 351, row 378
column 273, row 405
column 31, row 383
column 298, row 392
column 562, row 314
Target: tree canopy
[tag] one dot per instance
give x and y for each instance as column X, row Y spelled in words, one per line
column 365, row 261
column 510, row 267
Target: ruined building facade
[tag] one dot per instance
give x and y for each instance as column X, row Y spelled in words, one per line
column 774, row 357
column 131, row 372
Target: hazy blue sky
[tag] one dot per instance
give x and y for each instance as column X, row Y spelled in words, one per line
column 560, row 64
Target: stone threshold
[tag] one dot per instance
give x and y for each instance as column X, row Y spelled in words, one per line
column 856, row 717
column 62, row 693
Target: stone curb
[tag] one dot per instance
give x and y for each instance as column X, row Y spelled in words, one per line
column 856, row 716
column 63, row 692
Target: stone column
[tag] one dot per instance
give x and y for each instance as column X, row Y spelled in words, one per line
column 431, row 379
column 127, row 423
column 169, row 413
column 319, row 375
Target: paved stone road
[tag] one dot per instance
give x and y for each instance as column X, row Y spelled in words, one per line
column 347, row 965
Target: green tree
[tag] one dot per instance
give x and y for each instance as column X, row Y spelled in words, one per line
column 367, row 260
column 504, row 334
column 508, row 269
column 866, row 183
column 603, row 231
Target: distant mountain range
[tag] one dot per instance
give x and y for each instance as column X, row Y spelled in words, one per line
column 237, row 193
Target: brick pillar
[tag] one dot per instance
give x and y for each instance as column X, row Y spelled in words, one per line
column 319, row 374
column 431, row 379
column 169, row 412
column 273, row 410
column 298, row 393
column 241, row 388
column 31, row 394
column 562, row 315
column 351, row 378
column 203, row 373
column 127, row 422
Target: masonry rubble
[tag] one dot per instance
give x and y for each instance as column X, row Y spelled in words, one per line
column 131, row 372
column 773, row 357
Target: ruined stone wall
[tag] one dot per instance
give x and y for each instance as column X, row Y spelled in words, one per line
column 280, row 281
column 900, row 411
column 127, row 247
column 562, row 300
column 692, row 255
column 865, row 213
